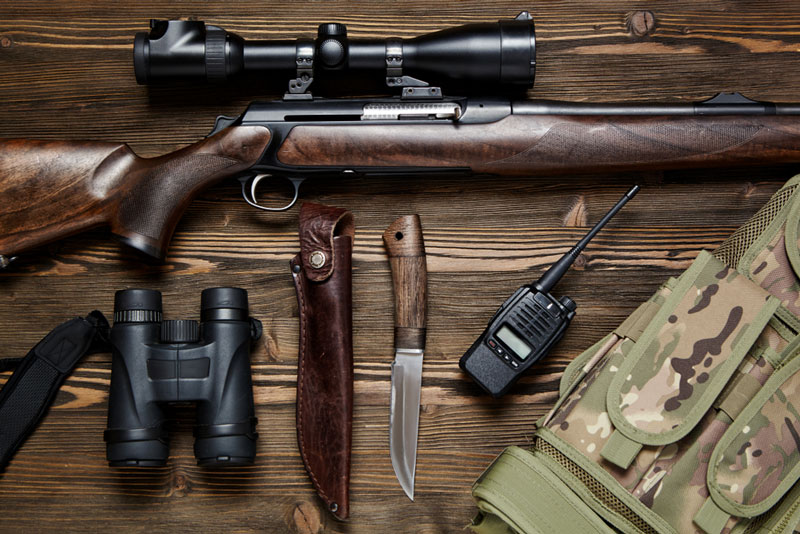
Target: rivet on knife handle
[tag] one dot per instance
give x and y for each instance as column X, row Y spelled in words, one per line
column 406, row 249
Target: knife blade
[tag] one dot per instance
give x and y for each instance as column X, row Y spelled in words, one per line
column 406, row 250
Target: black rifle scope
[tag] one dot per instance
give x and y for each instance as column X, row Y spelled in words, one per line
column 500, row 53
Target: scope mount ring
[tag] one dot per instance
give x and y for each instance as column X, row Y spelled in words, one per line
column 250, row 184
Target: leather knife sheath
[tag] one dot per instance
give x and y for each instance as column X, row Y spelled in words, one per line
column 322, row 278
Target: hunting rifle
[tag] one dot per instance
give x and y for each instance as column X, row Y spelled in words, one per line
column 51, row 190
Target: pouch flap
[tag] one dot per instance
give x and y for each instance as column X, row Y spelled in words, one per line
column 319, row 224
column 688, row 353
column 631, row 328
column 758, row 458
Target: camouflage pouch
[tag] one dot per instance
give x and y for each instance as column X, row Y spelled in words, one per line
column 686, row 418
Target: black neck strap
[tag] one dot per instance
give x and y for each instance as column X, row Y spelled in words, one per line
column 33, row 386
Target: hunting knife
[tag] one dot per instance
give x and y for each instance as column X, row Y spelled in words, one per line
column 406, row 249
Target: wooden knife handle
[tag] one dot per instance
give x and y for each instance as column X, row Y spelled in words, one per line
column 406, row 249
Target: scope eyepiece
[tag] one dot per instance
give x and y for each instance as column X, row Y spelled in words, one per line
column 502, row 54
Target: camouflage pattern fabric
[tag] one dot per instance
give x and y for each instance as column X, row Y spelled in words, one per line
column 674, row 486
column 702, row 332
column 670, row 479
column 772, row 270
column 702, row 395
column 764, row 448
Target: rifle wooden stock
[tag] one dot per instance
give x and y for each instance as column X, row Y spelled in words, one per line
column 553, row 144
column 50, row 190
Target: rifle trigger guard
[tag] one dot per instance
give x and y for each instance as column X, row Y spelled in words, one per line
column 250, row 184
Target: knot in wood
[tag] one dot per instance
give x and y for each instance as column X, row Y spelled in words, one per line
column 641, row 23
column 577, row 215
column 180, row 482
column 179, row 486
column 307, row 518
column 5, row 42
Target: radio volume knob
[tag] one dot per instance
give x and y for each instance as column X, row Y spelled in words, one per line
column 568, row 303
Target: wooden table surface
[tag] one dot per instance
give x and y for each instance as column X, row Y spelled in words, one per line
column 66, row 73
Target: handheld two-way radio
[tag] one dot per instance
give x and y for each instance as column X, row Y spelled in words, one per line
column 528, row 324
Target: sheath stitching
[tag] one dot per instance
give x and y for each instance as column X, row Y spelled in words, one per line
column 303, row 332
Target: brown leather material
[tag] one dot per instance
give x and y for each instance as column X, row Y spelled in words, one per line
column 325, row 364
column 318, row 226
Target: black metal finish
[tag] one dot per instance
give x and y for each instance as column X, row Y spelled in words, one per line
column 156, row 362
column 500, row 54
column 528, row 324
column 720, row 104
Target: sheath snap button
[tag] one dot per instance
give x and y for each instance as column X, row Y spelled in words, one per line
column 317, row 259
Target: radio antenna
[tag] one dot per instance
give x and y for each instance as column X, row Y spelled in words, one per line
column 550, row 278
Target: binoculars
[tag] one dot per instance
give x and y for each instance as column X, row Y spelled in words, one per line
column 155, row 362
column 499, row 54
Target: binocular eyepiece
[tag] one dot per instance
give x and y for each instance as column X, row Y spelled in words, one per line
column 495, row 54
column 157, row 362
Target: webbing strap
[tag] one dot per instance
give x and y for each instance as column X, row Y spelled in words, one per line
column 33, row 386
column 711, row 518
column 620, row 450
column 6, row 364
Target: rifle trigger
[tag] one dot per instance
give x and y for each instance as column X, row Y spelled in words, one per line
column 250, row 184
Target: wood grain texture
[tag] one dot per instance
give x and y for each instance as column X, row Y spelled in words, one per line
column 55, row 189
column 405, row 246
column 66, row 74
column 532, row 145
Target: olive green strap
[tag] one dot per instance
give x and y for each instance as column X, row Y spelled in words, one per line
column 518, row 494
column 620, row 450
column 711, row 518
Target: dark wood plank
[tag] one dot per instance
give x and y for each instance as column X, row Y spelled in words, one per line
column 66, row 73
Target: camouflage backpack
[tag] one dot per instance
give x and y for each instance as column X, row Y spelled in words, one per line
column 686, row 418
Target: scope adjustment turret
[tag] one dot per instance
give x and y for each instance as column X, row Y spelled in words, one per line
column 332, row 49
